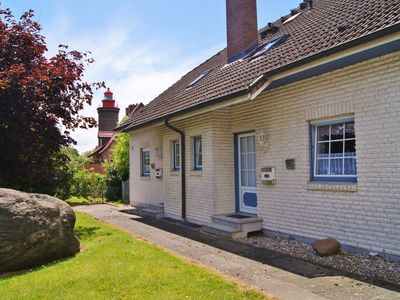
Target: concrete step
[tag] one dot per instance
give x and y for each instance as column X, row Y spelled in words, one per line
column 222, row 220
column 157, row 206
column 245, row 223
column 235, row 222
column 220, row 230
column 154, row 213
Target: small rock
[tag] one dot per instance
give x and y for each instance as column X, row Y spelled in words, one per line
column 326, row 247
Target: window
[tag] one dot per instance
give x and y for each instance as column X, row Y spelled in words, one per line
column 145, row 162
column 198, row 153
column 334, row 151
column 268, row 46
column 176, row 156
column 200, row 77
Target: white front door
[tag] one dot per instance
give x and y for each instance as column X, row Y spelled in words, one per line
column 247, row 173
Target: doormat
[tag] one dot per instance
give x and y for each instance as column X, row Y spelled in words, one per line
column 238, row 216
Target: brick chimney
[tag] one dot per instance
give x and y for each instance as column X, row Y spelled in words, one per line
column 242, row 28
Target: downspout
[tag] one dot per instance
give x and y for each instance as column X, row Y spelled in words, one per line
column 183, row 166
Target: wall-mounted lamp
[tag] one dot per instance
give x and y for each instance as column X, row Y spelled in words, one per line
column 262, row 139
column 158, row 152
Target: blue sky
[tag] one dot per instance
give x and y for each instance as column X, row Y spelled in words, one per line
column 140, row 47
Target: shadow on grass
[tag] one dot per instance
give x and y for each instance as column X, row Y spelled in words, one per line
column 86, row 233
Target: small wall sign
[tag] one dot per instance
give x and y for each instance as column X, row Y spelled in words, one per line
column 290, row 164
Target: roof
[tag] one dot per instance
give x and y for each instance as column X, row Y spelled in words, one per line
column 134, row 108
column 103, row 148
column 106, row 134
column 331, row 24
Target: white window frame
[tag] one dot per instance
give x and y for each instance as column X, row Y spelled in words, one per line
column 176, row 145
column 197, row 151
column 142, row 163
column 315, row 144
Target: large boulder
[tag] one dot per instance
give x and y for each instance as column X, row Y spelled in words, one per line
column 326, row 247
column 34, row 229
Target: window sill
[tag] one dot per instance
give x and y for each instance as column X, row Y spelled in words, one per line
column 145, row 178
column 350, row 187
column 196, row 173
column 175, row 173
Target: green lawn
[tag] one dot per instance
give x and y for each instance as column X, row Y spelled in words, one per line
column 73, row 201
column 114, row 265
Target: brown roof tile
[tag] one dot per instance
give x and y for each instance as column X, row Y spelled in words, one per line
column 331, row 23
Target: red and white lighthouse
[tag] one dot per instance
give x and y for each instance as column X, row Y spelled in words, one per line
column 108, row 118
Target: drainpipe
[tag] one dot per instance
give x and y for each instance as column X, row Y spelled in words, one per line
column 183, row 166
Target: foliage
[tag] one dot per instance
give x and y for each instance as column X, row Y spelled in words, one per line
column 74, row 201
column 78, row 180
column 39, row 96
column 114, row 265
column 118, row 168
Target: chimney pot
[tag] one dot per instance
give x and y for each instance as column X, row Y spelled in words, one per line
column 242, row 30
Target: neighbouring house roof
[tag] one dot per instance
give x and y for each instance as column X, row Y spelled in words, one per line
column 331, row 24
column 105, row 134
column 105, row 147
column 133, row 108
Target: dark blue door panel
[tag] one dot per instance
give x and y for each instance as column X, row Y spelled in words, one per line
column 250, row 199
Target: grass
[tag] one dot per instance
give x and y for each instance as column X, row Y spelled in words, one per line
column 114, row 265
column 74, row 201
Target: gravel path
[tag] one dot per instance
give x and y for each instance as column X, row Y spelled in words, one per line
column 364, row 265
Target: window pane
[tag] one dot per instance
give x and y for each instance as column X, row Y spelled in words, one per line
column 200, row 154
column 198, row 157
column 244, row 178
column 243, row 161
column 243, row 145
column 337, row 131
column 322, row 166
column 336, row 167
column 250, row 144
column 350, row 166
column 323, row 133
column 177, row 156
column 145, row 163
column 250, row 178
column 337, row 149
column 251, row 161
column 350, row 148
column 323, row 150
column 350, row 132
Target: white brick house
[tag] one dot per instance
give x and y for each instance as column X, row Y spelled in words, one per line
column 325, row 117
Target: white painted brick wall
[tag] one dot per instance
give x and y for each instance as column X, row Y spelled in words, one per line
column 366, row 215
column 363, row 216
column 145, row 189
